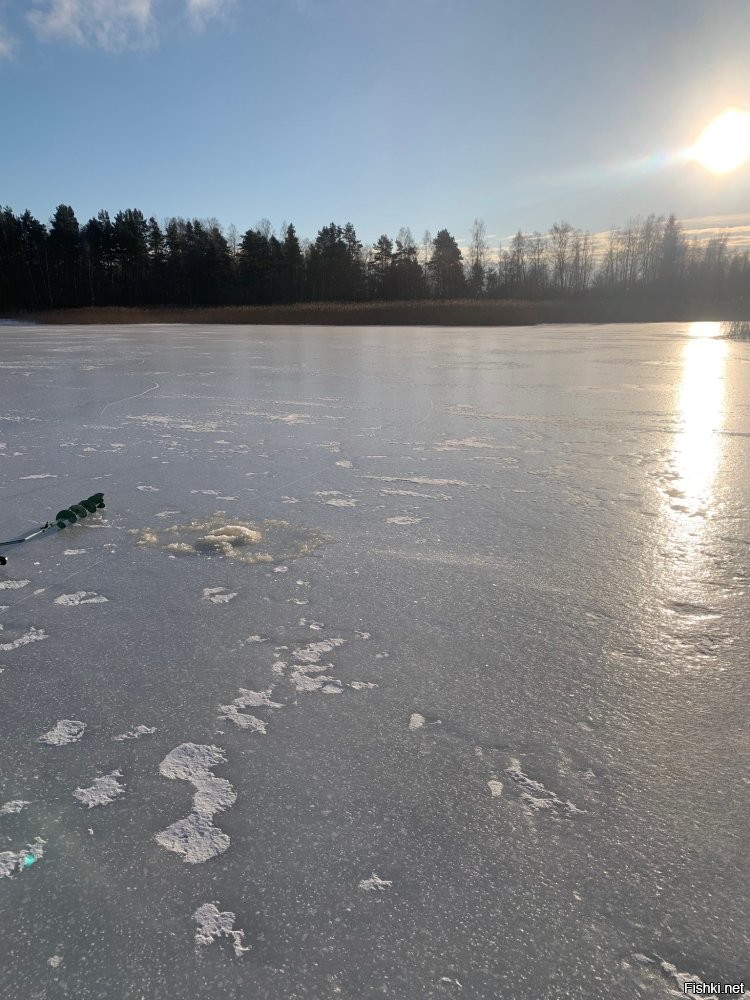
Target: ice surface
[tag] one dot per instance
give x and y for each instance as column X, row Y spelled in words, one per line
column 567, row 620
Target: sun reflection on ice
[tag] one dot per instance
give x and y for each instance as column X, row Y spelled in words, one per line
column 700, row 404
column 697, row 454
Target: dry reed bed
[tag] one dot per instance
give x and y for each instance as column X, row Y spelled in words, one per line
column 457, row 312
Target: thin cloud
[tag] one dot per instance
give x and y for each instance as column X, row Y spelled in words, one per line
column 199, row 12
column 7, row 43
column 108, row 24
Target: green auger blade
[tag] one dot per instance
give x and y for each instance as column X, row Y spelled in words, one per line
column 89, row 504
column 65, row 517
column 98, row 499
column 79, row 509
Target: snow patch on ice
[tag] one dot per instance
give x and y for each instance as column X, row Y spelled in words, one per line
column 416, row 721
column 136, row 733
column 404, row 519
column 469, row 442
column 196, row 837
column 41, row 475
column 13, row 584
column 33, row 635
column 315, row 650
column 103, row 791
column 14, row 806
column 74, row 552
column 420, row 480
column 244, row 720
column 375, row 884
column 13, row 863
column 64, row 732
column 256, row 699
column 535, row 797
column 414, row 493
column 80, row 597
column 237, row 541
column 496, row 788
column 213, row 924
column 217, row 595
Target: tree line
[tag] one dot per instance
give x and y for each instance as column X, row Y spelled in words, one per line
column 131, row 260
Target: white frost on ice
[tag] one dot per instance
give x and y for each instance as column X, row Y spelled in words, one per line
column 404, row 519
column 55, row 961
column 213, row 924
column 362, row 685
column 342, row 503
column 80, row 597
column 281, row 569
column 66, row 731
column 14, row 806
column 13, row 584
column 345, row 463
column 42, row 475
column 496, row 788
column 148, row 489
column 103, row 791
column 416, row 721
column 375, row 884
column 135, row 733
column 196, row 837
column 74, row 552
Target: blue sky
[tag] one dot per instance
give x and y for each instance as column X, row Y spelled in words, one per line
column 426, row 113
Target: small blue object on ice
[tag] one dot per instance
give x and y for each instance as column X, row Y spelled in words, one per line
column 29, row 860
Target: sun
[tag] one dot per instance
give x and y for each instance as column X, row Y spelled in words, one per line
column 724, row 144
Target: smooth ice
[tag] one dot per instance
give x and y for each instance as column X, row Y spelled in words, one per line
column 503, row 754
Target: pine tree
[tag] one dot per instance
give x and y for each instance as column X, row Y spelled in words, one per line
column 446, row 267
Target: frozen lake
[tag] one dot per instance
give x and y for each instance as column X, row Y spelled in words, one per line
column 421, row 652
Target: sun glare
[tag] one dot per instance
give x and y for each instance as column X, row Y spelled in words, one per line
column 724, row 144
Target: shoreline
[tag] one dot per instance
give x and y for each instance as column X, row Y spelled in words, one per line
column 460, row 312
